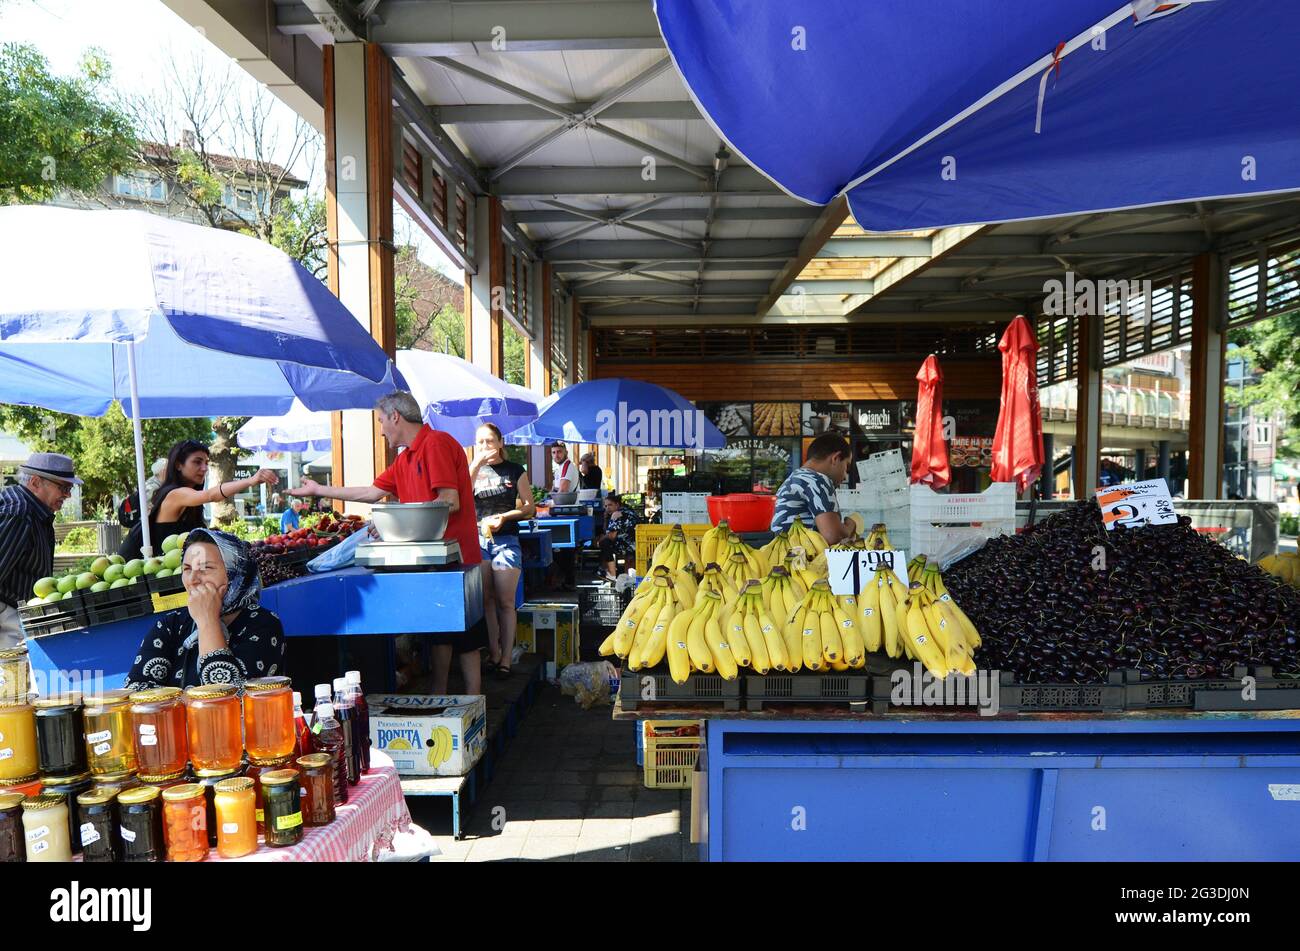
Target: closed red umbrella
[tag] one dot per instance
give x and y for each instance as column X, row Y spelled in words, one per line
column 1018, row 440
column 929, row 451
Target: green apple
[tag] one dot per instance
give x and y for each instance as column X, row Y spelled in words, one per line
column 67, row 583
column 51, row 598
column 100, row 565
column 172, row 559
column 170, row 543
column 152, row 565
column 44, row 587
column 133, row 568
column 164, row 573
column 119, row 583
column 117, row 559
column 35, row 601
column 86, row 579
column 180, row 540
column 135, row 580
column 67, row 595
column 113, row 573
column 99, row 586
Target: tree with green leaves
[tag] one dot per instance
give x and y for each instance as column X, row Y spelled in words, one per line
column 1270, row 350
column 57, row 133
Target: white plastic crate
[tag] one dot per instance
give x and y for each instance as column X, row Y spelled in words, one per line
column 946, row 525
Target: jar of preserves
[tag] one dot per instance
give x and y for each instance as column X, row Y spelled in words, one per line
column 45, row 828
column 158, row 726
column 254, row 772
column 116, row 782
column 282, row 801
column 318, row 788
column 26, row 786
column 185, row 823
column 209, row 784
column 11, row 828
column 213, row 714
column 17, row 739
column 166, row 780
column 236, row 825
column 60, row 728
column 268, row 719
column 98, row 831
column 70, row 787
column 110, row 745
column 14, row 682
column 140, row 818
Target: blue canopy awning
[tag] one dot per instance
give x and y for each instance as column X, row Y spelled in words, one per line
column 981, row 111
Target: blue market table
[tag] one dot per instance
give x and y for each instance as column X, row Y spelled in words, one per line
column 345, row 603
column 1146, row 786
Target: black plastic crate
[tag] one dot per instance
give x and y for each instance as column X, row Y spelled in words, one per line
column 1269, row 693
column 847, row 687
column 63, row 615
column 675, row 483
column 122, row 611
column 657, row 686
column 113, row 597
column 601, row 605
column 172, row 584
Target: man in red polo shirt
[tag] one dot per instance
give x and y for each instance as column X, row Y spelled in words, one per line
column 432, row 469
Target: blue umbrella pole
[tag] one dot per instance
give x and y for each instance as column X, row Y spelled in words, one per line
column 147, row 547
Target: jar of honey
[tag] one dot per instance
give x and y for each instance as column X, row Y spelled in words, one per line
column 185, row 823
column 140, row 816
column 116, row 782
column 318, row 788
column 17, row 739
column 254, row 772
column 268, row 719
column 236, row 825
column 60, row 728
column 110, row 744
column 98, row 831
column 282, row 802
column 25, row 786
column 11, row 828
column 212, row 712
column 158, row 726
column 165, row 781
column 209, row 784
column 70, row 787
column 14, row 683
column 45, row 828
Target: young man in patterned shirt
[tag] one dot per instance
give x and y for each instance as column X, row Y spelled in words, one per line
column 809, row 492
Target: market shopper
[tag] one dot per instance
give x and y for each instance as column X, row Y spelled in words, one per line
column 177, row 506
column 289, row 517
column 223, row 635
column 619, row 540
column 433, row 468
column 564, row 475
column 502, row 499
column 27, row 533
column 809, row 492
column 589, row 474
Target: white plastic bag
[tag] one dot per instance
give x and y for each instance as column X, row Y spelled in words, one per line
column 414, row 845
column 588, row 684
column 342, row 554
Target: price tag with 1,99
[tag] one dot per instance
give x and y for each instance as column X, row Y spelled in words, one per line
column 850, row 571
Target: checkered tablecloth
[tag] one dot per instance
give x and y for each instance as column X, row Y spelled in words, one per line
column 362, row 828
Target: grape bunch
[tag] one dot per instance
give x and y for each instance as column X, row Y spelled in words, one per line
column 273, row 570
column 1067, row 602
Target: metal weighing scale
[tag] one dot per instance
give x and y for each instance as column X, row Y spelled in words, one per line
column 408, row 556
column 568, row 511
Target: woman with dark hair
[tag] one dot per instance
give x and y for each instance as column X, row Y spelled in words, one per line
column 223, row 635
column 502, row 499
column 619, row 540
column 177, row 506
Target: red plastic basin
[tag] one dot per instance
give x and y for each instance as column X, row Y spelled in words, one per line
column 744, row 511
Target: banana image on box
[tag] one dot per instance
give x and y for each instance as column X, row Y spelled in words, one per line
column 429, row 735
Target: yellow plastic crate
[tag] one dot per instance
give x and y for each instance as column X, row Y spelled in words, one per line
column 648, row 538
column 670, row 760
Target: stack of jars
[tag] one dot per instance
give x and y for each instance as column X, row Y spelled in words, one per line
column 65, row 774
column 110, row 752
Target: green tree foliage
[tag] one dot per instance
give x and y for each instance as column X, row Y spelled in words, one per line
column 56, row 132
column 1269, row 348
column 515, row 354
column 426, row 303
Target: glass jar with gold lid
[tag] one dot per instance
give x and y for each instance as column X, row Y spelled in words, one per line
column 98, row 825
column 185, row 823
column 71, row 787
column 268, row 718
column 140, row 815
column 236, row 826
column 14, row 678
column 213, row 715
column 318, row 788
column 60, row 732
column 110, row 743
column 282, row 801
column 45, row 828
column 18, row 757
column 158, row 726
column 11, row 828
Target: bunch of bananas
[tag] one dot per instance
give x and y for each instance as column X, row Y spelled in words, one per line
column 712, row 542
column 822, row 633
column 1284, row 565
column 801, row 536
column 641, row 635
column 696, row 641
column 774, row 552
column 923, row 623
column 714, row 580
column 878, row 540
column 798, row 566
column 676, row 551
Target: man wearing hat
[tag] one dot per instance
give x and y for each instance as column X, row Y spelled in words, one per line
column 27, row 533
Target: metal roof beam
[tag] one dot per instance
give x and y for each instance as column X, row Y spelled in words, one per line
column 562, row 181
column 1160, row 244
column 692, row 265
column 684, row 319
column 448, row 28
column 724, row 214
column 616, row 251
column 522, row 112
column 882, row 246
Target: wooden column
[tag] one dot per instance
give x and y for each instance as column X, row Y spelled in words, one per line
column 497, row 278
column 1209, row 340
column 546, row 300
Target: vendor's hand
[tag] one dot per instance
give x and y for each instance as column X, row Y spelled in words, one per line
column 268, row 476
column 308, row 488
column 205, row 603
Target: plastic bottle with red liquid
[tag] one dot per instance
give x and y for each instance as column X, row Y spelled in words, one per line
column 303, row 743
column 328, row 735
column 346, row 713
column 363, row 718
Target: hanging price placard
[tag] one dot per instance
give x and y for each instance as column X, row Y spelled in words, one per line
column 850, row 571
column 1135, row 504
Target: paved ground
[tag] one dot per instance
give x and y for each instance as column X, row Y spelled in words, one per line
column 567, row 789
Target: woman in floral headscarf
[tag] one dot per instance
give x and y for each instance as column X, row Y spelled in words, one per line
column 223, row 635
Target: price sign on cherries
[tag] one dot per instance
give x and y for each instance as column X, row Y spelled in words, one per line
column 1135, row 504
column 851, row 571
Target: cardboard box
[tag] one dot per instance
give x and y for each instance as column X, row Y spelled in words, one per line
column 550, row 630
column 428, row 735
